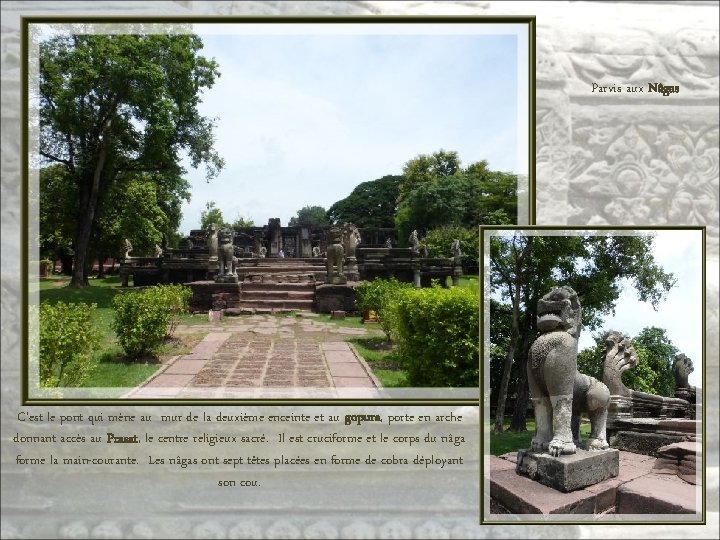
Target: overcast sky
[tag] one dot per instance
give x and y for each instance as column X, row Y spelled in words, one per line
column 304, row 118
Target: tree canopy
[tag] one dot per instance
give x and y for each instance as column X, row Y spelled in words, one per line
column 312, row 216
column 371, row 204
column 211, row 215
column 436, row 191
column 654, row 371
column 523, row 268
column 113, row 105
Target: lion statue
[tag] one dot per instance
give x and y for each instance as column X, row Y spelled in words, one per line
column 558, row 391
column 226, row 253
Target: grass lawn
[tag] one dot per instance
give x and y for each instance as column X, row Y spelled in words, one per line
column 112, row 368
column 377, row 352
column 509, row 441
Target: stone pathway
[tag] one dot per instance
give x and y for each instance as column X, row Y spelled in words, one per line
column 265, row 355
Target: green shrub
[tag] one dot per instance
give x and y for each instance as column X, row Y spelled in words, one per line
column 437, row 332
column 439, row 242
column 377, row 296
column 67, row 340
column 140, row 322
column 175, row 298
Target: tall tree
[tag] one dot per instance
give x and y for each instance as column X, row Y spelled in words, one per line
column 241, row 222
column 592, row 265
column 427, row 168
column 111, row 104
column 312, row 216
column 211, row 214
column 371, row 204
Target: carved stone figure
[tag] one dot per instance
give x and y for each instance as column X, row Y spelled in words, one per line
column 592, row 397
column 335, row 255
column 351, row 239
column 414, row 242
column 551, row 370
column 128, row 248
column 682, row 368
column 316, row 251
column 263, row 252
column 619, row 357
column 158, row 251
column 212, row 241
column 226, row 259
column 456, row 252
column 388, row 242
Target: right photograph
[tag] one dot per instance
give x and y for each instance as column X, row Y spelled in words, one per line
column 592, row 368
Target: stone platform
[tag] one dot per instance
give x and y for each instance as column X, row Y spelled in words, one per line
column 644, row 486
column 569, row 472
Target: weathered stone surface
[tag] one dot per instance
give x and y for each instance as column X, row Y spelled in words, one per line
column 643, row 443
column 570, row 472
column 655, row 494
column 680, row 449
column 329, row 298
column 521, row 495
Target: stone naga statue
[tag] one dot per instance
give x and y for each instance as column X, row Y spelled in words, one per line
column 351, row 239
column 558, row 391
column 682, row 368
column 620, row 356
column 226, row 259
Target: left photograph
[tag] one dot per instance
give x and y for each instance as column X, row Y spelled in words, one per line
column 255, row 210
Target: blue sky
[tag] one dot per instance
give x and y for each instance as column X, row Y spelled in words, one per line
column 303, row 118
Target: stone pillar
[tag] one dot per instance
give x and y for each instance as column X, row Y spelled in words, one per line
column 416, row 278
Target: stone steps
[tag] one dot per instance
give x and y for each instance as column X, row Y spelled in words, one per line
column 277, row 294
column 303, row 286
column 278, row 304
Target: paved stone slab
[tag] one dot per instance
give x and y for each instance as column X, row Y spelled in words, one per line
column 340, row 357
column 334, row 346
column 498, row 463
column 185, row 367
column 169, row 381
column 353, row 382
column 655, row 494
column 521, row 495
column 347, row 369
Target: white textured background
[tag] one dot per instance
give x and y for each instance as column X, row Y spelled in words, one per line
column 601, row 159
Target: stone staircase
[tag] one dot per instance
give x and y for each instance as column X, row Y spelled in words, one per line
column 277, row 296
column 279, row 284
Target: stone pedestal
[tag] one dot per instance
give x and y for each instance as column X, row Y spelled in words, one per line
column 570, row 472
column 329, row 298
column 337, row 280
column 351, row 269
column 228, row 278
column 207, row 293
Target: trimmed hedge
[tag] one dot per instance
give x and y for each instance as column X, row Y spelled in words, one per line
column 142, row 320
column 67, row 341
column 437, row 333
column 377, row 295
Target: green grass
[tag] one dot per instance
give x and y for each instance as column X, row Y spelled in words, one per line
column 509, row 441
column 347, row 322
column 112, row 368
column 378, row 354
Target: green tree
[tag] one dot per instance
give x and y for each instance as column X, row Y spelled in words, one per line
column 524, row 268
column 371, row 204
column 436, row 192
column 57, row 210
column 112, row 104
column 211, row 214
column 426, row 168
column 439, row 242
column 312, row 216
column 654, row 371
column 241, row 222
column 659, row 351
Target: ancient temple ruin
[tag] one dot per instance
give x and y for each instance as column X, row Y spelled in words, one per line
column 285, row 268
